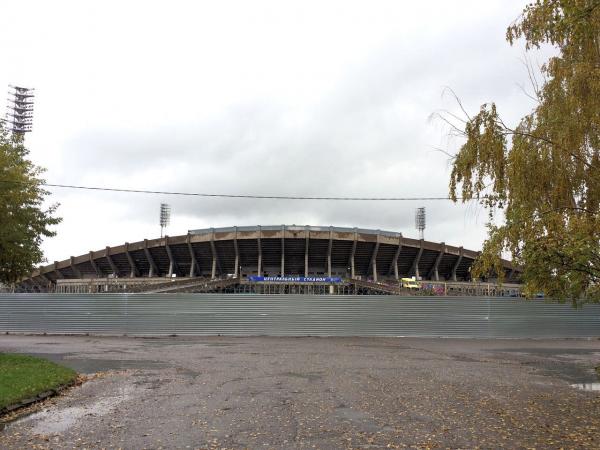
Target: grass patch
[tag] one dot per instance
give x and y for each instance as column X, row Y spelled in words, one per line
column 23, row 377
column 598, row 371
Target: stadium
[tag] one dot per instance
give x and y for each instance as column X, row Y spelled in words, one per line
column 271, row 259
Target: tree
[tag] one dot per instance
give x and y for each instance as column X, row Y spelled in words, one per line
column 545, row 171
column 23, row 220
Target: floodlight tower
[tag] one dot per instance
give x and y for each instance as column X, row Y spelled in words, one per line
column 165, row 217
column 19, row 114
column 420, row 221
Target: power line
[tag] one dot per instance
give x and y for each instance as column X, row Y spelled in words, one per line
column 243, row 196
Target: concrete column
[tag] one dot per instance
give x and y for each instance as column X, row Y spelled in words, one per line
column 74, row 268
column 113, row 267
column 47, row 280
column 215, row 260
column 394, row 264
column 373, row 262
column 134, row 270
column 237, row 256
column 282, row 250
column 58, row 273
column 172, row 262
column 259, row 243
column 95, row 266
column 352, row 252
column 153, row 268
column 434, row 272
column 329, row 252
column 414, row 270
column 306, row 247
column 457, row 263
column 194, row 267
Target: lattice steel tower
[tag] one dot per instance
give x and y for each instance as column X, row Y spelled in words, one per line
column 420, row 221
column 19, row 114
column 165, row 217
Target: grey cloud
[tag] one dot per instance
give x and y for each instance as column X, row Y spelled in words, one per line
column 365, row 134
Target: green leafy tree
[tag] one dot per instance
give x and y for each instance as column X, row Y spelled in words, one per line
column 23, row 220
column 545, row 171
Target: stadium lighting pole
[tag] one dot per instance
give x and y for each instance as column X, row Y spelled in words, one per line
column 420, row 221
column 165, row 217
column 19, row 114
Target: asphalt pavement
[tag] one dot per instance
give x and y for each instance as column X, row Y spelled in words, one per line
column 330, row 393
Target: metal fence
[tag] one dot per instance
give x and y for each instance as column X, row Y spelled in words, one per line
column 294, row 315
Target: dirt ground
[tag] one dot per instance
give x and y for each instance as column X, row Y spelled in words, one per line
column 267, row 392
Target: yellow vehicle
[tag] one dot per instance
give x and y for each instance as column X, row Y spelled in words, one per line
column 410, row 283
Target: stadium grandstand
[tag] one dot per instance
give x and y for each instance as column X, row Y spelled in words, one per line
column 271, row 259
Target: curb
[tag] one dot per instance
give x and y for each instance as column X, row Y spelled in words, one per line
column 39, row 397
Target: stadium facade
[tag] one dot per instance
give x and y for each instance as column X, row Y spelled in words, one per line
column 238, row 254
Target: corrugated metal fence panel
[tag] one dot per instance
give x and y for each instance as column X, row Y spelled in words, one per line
column 293, row 315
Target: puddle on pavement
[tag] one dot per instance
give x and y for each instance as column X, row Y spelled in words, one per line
column 92, row 365
column 310, row 376
column 57, row 420
column 554, row 362
column 551, row 351
column 586, row 386
column 358, row 418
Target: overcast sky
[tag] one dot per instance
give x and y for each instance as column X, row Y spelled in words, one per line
column 319, row 98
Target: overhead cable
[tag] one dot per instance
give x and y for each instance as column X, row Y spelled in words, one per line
column 242, row 196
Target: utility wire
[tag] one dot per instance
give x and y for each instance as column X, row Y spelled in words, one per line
column 244, row 196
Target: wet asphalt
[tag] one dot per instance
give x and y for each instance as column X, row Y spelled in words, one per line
column 272, row 392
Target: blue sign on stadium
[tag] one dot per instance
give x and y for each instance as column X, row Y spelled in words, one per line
column 295, row 279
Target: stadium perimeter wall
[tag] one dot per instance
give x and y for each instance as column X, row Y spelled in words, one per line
column 294, row 315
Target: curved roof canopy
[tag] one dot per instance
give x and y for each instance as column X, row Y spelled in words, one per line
column 272, row 251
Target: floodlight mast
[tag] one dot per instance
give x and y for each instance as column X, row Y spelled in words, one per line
column 420, row 221
column 19, row 114
column 165, row 217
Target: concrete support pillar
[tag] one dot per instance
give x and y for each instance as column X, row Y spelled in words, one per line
column 373, row 261
column 34, row 285
column 434, row 272
column 457, row 263
column 306, row 247
column 194, row 266
column 329, row 252
column 74, row 268
column 414, row 270
column 375, row 271
column 215, row 258
column 236, row 272
column 46, row 281
column 111, row 263
column 352, row 252
column 58, row 273
column 394, row 264
column 153, row 271
column 259, row 244
column 134, row 272
column 95, row 266
column 172, row 262
column 193, row 269
column 282, row 270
